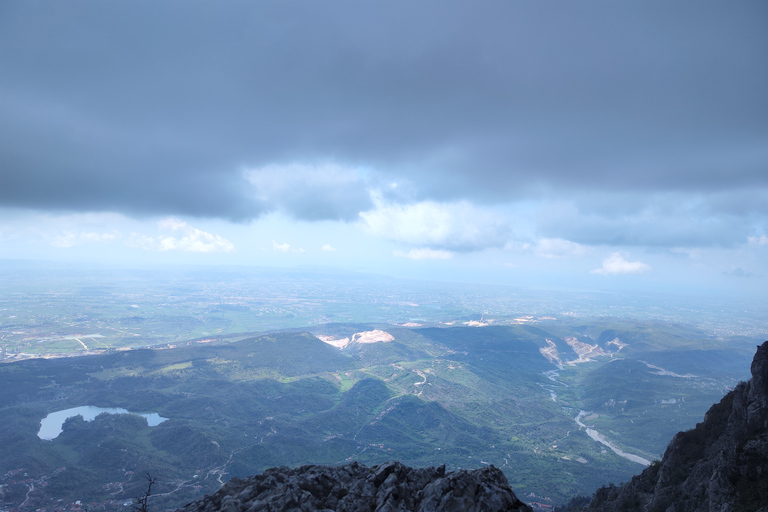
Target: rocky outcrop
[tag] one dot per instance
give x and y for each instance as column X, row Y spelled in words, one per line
column 721, row 465
column 354, row 487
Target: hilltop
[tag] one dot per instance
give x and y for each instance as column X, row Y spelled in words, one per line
column 387, row 487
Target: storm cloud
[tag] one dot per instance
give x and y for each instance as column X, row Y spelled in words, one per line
column 218, row 110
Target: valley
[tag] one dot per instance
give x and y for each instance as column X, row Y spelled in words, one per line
column 462, row 396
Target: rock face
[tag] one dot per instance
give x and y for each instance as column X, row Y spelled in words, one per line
column 354, row 487
column 721, row 465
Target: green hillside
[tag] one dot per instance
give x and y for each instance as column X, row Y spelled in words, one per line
column 460, row 396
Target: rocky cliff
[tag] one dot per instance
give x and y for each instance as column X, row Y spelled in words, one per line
column 721, row 465
column 354, row 487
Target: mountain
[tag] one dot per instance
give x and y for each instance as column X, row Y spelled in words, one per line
column 721, row 464
column 464, row 396
column 387, row 487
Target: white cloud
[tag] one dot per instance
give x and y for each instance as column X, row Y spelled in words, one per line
column 281, row 247
column 70, row 239
column 328, row 247
column 424, row 254
column 761, row 240
column 66, row 240
column 559, row 248
column 456, row 226
column 285, row 247
column 173, row 224
column 615, row 264
column 191, row 239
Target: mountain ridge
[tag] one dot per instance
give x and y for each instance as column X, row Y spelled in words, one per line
column 354, row 487
column 721, row 464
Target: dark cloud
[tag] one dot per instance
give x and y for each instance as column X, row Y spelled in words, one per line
column 322, row 192
column 672, row 219
column 739, row 272
column 669, row 221
column 649, row 231
column 158, row 107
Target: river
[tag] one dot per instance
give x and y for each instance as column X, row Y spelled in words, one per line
column 600, row 438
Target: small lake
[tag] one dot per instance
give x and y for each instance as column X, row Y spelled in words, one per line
column 50, row 426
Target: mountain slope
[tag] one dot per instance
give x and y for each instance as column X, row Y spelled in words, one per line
column 722, row 464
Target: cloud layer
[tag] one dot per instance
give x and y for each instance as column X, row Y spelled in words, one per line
column 590, row 128
column 155, row 108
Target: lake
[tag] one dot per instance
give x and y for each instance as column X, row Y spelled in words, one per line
column 50, row 426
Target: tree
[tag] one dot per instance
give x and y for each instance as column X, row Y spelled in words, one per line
column 141, row 505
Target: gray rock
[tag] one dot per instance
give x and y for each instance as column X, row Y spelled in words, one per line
column 388, row 487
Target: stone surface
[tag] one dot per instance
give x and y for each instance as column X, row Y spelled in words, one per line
column 388, row 487
column 721, row 465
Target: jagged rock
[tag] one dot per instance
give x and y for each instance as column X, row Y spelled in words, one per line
column 388, row 487
column 721, row 465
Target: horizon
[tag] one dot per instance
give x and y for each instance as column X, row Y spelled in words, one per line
column 337, row 296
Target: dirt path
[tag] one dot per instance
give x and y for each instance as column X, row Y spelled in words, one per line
column 31, row 488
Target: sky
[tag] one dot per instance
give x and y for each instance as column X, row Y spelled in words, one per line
column 591, row 144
